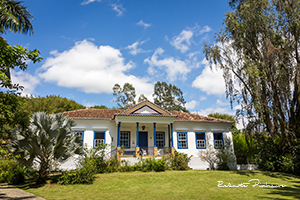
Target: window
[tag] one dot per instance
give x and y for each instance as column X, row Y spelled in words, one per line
column 99, row 137
column 80, row 133
column 218, row 140
column 125, row 139
column 200, row 141
column 160, row 139
column 182, row 140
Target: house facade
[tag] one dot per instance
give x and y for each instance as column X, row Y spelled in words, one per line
column 148, row 130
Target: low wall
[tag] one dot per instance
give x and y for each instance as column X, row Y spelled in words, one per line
column 247, row 167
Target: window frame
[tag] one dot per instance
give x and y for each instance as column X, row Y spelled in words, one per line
column 104, row 132
column 186, row 140
column 129, row 136
column 218, row 133
column 200, row 133
column 163, row 140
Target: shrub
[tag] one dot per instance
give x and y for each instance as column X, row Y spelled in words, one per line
column 112, row 165
column 126, row 167
column 160, row 165
column 208, row 155
column 12, row 172
column 84, row 175
column 179, row 161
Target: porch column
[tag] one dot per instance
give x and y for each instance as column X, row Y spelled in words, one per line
column 118, row 143
column 137, row 148
column 172, row 143
column 169, row 138
column 154, row 136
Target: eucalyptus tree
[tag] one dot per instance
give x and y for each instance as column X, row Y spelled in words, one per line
column 46, row 140
column 258, row 51
column 124, row 96
column 169, row 97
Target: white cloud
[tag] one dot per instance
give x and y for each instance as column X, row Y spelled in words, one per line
column 191, row 105
column 92, row 69
column 134, row 50
column 202, row 98
column 118, row 8
column 210, row 110
column 175, row 69
column 205, row 29
column 142, row 23
column 85, row 2
column 183, row 40
column 210, row 81
column 26, row 80
column 221, row 103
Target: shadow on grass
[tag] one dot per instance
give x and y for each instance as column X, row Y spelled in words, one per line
column 245, row 172
column 52, row 179
column 286, row 192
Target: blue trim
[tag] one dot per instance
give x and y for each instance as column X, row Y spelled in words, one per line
column 196, row 133
column 129, row 136
column 164, row 142
column 169, row 138
column 186, row 136
column 76, row 131
column 119, row 128
column 217, row 133
column 137, row 134
column 158, row 113
column 172, row 135
column 104, row 132
column 154, row 132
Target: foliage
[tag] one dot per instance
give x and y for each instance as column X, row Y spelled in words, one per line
column 99, row 107
column 208, row 155
column 234, row 129
column 169, row 97
column 46, row 140
column 179, row 161
column 225, row 156
column 49, row 104
column 124, row 96
column 83, row 175
column 142, row 97
column 150, row 164
column 258, row 52
column 11, row 172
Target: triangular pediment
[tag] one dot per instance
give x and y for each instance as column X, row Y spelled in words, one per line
column 146, row 108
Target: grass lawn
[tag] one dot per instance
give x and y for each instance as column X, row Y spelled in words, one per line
column 190, row 184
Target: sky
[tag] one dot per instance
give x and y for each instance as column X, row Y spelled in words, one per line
column 89, row 45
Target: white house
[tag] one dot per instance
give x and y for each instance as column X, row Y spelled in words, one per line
column 152, row 130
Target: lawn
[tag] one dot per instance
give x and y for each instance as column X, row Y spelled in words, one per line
column 190, row 184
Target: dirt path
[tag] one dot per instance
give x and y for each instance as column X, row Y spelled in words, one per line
column 11, row 192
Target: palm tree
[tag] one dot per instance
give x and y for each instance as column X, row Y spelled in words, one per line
column 14, row 17
column 47, row 139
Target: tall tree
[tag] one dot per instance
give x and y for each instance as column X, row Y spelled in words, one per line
column 142, row 97
column 13, row 17
column 258, row 51
column 124, row 96
column 47, row 139
column 169, row 97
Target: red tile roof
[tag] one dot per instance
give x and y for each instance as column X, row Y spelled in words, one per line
column 110, row 115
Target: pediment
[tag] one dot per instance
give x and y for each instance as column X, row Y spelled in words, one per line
column 146, row 108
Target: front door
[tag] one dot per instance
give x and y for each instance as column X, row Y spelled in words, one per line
column 143, row 139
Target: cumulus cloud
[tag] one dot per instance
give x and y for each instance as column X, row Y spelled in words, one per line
column 28, row 81
column 210, row 81
column 118, row 8
column 202, row 98
column 92, row 69
column 85, row 2
column 191, row 105
column 183, row 40
column 210, row 110
column 134, row 49
column 175, row 69
column 221, row 103
column 142, row 23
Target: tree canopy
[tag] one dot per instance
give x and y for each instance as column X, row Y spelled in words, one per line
column 124, row 96
column 258, row 51
column 169, row 97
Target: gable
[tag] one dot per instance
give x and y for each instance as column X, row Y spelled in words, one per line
column 146, row 108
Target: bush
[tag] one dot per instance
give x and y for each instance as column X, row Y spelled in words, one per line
column 126, row 167
column 12, row 172
column 112, row 165
column 179, row 161
column 84, row 175
column 160, row 165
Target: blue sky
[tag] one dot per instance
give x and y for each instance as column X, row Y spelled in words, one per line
column 89, row 45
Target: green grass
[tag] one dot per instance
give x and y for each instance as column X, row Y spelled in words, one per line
column 175, row 185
